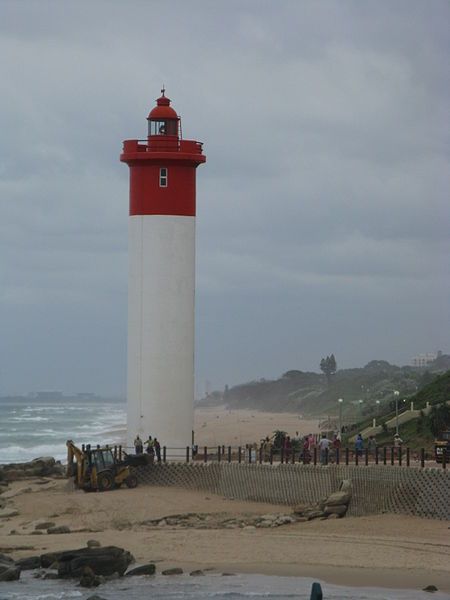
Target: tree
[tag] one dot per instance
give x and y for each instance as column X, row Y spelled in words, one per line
column 439, row 418
column 278, row 438
column 328, row 366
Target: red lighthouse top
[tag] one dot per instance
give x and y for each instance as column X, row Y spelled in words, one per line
column 163, row 120
column 162, row 167
column 164, row 135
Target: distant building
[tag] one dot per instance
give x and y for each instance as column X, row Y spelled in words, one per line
column 49, row 395
column 423, row 360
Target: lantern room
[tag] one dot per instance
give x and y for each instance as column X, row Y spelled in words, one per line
column 163, row 120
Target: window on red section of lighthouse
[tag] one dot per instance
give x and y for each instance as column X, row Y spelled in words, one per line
column 163, row 177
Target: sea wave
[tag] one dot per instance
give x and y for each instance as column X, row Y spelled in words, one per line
column 13, row 454
column 19, row 453
column 26, row 418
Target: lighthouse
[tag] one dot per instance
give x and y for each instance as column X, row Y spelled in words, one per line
column 161, row 285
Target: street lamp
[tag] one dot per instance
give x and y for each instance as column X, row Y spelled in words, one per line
column 360, row 402
column 396, row 394
column 377, row 402
column 340, row 400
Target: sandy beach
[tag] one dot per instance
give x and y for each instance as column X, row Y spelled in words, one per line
column 385, row 550
column 217, row 425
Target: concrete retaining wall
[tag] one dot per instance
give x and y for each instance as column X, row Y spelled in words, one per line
column 376, row 489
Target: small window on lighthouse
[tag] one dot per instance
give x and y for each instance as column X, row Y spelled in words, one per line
column 163, row 177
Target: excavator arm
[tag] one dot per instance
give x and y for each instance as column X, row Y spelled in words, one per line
column 74, row 453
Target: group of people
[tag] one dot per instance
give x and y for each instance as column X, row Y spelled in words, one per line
column 328, row 448
column 305, row 445
column 153, row 447
column 372, row 444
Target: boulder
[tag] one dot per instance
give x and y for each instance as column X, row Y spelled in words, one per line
column 338, row 509
column 59, row 529
column 299, row 509
column 314, row 514
column 173, row 571
column 9, row 573
column 6, row 513
column 43, row 466
column 148, row 569
column 430, row 588
column 4, row 558
column 45, row 525
column 197, row 573
column 346, row 486
column 89, row 578
column 49, row 559
column 29, row 563
column 338, row 498
column 8, row 570
column 102, row 561
column 265, row 524
column 93, row 544
column 284, row 520
column 13, row 474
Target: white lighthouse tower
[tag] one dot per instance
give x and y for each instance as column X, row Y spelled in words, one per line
column 160, row 395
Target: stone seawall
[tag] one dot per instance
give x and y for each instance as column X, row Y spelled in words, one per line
column 376, row 489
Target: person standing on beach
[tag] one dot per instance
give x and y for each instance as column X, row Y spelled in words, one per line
column 267, row 447
column 157, row 447
column 324, row 446
column 306, row 453
column 138, row 445
column 359, row 445
column 336, row 446
column 397, row 444
column 287, row 448
column 397, row 441
column 150, row 448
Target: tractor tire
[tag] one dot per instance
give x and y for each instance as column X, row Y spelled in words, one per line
column 105, row 481
column 131, row 481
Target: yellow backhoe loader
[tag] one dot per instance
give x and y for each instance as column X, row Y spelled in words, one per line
column 96, row 469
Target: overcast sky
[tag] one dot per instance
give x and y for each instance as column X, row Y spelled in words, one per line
column 323, row 209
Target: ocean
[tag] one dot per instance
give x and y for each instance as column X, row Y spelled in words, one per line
column 29, row 429
column 239, row 587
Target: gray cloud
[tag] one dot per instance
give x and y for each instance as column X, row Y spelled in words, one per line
column 322, row 210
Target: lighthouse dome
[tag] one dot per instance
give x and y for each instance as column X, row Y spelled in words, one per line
column 162, row 110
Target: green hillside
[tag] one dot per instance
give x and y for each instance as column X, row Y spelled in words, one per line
column 367, row 392
column 421, row 432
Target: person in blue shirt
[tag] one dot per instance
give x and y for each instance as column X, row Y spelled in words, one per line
column 359, row 445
